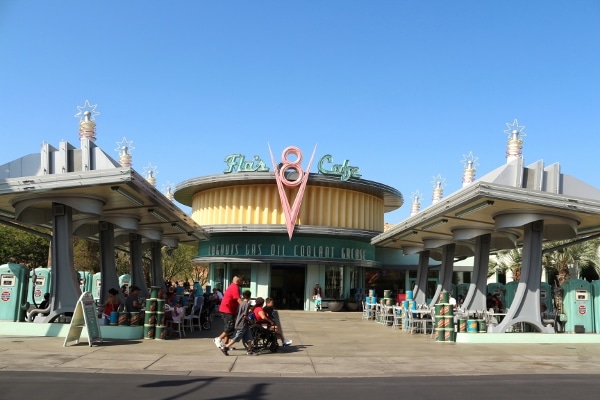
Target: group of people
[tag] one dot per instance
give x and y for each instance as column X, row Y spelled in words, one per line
column 238, row 314
column 113, row 302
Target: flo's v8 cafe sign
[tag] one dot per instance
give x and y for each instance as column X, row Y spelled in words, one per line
column 291, row 160
column 326, row 166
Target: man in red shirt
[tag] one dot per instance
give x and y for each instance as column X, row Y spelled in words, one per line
column 228, row 309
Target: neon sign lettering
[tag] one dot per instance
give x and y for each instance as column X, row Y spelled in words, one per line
column 238, row 163
column 344, row 171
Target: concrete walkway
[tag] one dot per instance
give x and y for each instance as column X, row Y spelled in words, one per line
column 324, row 344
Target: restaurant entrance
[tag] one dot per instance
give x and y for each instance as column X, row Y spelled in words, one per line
column 287, row 286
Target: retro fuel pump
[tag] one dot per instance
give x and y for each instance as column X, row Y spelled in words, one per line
column 39, row 285
column 13, row 291
column 578, row 306
column 97, row 286
column 85, row 281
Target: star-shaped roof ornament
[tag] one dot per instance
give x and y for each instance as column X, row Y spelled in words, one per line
column 150, row 170
column 470, row 159
column 515, row 127
column 416, row 196
column 87, row 107
column 124, row 144
column 438, row 181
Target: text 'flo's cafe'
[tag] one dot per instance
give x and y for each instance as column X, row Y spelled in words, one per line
column 282, row 229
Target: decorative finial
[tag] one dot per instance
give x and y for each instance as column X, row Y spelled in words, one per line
column 124, row 148
column 438, row 187
column 168, row 189
column 470, row 163
column 88, row 109
column 87, row 126
column 416, row 202
column 515, row 134
column 150, row 171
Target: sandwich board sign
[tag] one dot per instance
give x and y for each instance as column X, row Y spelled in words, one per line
column 84, row 316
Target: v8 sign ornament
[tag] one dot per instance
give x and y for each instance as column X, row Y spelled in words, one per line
column 291, row 212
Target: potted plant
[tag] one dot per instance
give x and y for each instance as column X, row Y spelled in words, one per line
column 336, row 304
column 352, row 304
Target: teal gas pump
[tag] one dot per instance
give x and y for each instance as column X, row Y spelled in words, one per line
column 13, row 292
column 497, row 289
column 509, row 293
column 125, row 280
column 97, row 286
column 39, row 285
column 85, row 281
column 546, row 296
column 596, row 294
column 578, row 306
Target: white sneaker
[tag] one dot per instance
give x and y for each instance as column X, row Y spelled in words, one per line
column 287, row 342
column 217, row 342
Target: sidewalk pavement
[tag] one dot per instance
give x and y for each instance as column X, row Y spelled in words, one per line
column 325, row 344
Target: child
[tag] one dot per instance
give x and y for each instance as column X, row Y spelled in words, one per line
column 242, row 328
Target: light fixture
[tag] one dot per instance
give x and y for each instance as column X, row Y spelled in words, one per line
column 434, row 224
column 474, row 208
column 178, row 228
column 407, row 235
column 127, row 195
column 6, row 214
column 158, row 215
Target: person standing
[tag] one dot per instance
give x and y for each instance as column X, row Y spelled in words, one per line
column 318, row 297
column 242, row 327
column 228, row 309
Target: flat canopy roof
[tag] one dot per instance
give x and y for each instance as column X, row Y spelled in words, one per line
column 563, row 200
column 124, row 194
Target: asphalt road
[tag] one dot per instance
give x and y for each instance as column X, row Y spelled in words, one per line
column 51, row 386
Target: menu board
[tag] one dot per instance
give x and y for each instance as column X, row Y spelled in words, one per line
column 84, row 316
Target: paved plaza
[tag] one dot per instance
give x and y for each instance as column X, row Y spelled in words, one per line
column 324, row 344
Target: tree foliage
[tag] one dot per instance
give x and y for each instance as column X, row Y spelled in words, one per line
column 20, row 247
column 177, row 262
column 86, row 255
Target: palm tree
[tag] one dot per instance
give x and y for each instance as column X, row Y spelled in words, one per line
column 561, row 257
column 508, row 260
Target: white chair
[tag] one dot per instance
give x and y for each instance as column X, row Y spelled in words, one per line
column 397, row 321
column 188, row 322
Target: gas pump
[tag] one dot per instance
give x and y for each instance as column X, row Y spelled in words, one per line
column 97, row 286
column 125, row 280
column 39, row 285
column 497, row 289
column 509, row 293
column 578, row 306
column 85, row 281
column 596, row 294
column 546, row 296
column 13, row 292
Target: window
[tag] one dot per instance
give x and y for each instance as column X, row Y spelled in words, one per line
column 334, row 277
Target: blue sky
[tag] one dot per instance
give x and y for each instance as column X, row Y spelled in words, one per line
column 401, row 89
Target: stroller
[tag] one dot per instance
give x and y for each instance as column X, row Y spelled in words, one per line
column 205, row 309
column 264, row 338
column 207, row 314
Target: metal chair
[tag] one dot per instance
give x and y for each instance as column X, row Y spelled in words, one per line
column 397, row 320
